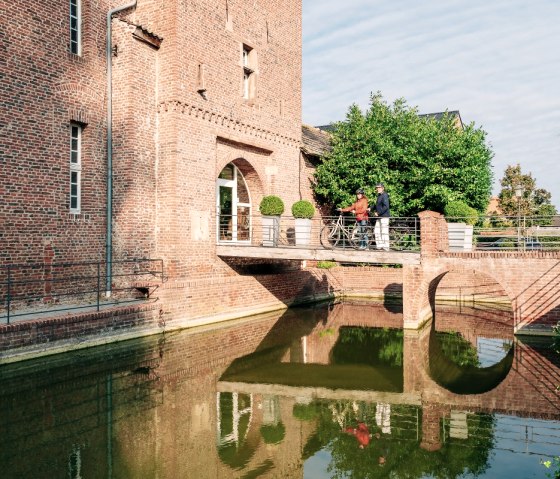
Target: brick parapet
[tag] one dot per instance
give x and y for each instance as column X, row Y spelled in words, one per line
column 433, row 233
column 76, row 325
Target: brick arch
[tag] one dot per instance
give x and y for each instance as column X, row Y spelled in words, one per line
column 423, row 300
column 86, row 106
column 83, row 102
column 252, row 179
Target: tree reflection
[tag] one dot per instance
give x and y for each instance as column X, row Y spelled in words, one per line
column 397, row 453
column 457, row 349
column 374, row 346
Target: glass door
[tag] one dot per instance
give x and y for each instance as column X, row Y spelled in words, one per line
column 225, row 212
column 233, row 206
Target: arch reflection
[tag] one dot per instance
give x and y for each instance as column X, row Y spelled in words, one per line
column 471, row 348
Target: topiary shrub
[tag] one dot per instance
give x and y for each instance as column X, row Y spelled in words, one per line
column 305, row 412
column 271, row 206
column 460, row 210
column 273, row 434
column 303, row 209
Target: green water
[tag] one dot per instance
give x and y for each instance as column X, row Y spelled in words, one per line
column 331, row 391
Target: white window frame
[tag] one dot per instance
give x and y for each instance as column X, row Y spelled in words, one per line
column 235, row 204
column 76, row 29
column 75, row 168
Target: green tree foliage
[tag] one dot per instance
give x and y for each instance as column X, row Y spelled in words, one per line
column 423, row 163
column 459, row 209
column 533, row 202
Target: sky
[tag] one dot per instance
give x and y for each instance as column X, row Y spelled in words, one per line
column 495, row 61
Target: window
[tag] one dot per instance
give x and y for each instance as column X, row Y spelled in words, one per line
column 201, row 79
column 233, row 203
column 75, row 167
column 75, row 463
column 249, row 62
column 75, row 27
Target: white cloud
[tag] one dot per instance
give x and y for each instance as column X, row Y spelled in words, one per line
column 496, row 62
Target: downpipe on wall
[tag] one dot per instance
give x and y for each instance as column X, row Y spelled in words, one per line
column 109, row 234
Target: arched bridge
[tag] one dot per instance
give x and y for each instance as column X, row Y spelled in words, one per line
column 527, row 271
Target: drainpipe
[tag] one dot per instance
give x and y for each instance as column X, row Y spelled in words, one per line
column 109, row 250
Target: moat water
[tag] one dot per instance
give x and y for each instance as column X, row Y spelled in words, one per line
column 329, row 391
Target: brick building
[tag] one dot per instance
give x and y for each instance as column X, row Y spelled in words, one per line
column 205, row 117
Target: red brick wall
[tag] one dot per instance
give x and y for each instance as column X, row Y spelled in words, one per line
column 169, row 143
column 76, row 326
column 43, row 88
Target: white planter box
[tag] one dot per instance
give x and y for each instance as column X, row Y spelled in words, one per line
column 460, row 236
column 270, row 230
column 303, row 231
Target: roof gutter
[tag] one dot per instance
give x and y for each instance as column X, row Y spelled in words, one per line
column 109, row 246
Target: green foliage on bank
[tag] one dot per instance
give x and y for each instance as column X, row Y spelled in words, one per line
column 326, row 264
column 424, row 163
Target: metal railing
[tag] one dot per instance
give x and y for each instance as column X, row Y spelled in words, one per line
column 510, row 233
column 327, row 232
column 39, row 288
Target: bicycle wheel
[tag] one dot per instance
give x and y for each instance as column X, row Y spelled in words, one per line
column 330, row 235
column 354, row 237
column 370, row 237
column 396, row 240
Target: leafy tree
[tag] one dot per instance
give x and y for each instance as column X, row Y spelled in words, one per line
column 533, row 202
column 424, row 163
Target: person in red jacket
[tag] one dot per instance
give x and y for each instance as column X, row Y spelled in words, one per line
column 362, row 434
column 360, row 209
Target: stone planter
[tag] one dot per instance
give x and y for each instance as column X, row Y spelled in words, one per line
column 460, row 236
column 303, row 231
column 270, row 230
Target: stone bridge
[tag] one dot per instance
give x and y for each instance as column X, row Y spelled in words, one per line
column 529, row 279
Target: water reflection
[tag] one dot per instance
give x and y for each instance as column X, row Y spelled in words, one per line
column 471, row 347
column 332, row 391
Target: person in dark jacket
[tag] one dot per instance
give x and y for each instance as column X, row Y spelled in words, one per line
column 382, row 213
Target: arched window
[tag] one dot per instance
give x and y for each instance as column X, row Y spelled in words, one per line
column 233, row 204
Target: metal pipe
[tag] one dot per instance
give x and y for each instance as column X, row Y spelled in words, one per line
column 108, row 53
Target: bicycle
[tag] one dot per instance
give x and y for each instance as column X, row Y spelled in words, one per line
column 336, row 233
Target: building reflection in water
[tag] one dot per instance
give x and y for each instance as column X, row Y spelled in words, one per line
column 328, row 391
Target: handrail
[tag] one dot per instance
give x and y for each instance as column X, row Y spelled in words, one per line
column 289, row 232
column 511, row 233
column 40, row 288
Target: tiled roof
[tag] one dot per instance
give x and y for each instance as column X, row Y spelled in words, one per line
column 439, row 115
column 316, row 142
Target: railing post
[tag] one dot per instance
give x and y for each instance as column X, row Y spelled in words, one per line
column 433, row 233
column 8, row 298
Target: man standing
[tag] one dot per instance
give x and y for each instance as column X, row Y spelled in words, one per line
column 382, row 213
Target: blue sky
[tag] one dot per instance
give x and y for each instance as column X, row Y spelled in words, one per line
column 496, row 61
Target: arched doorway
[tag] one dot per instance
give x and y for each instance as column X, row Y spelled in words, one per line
column 233, row 205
